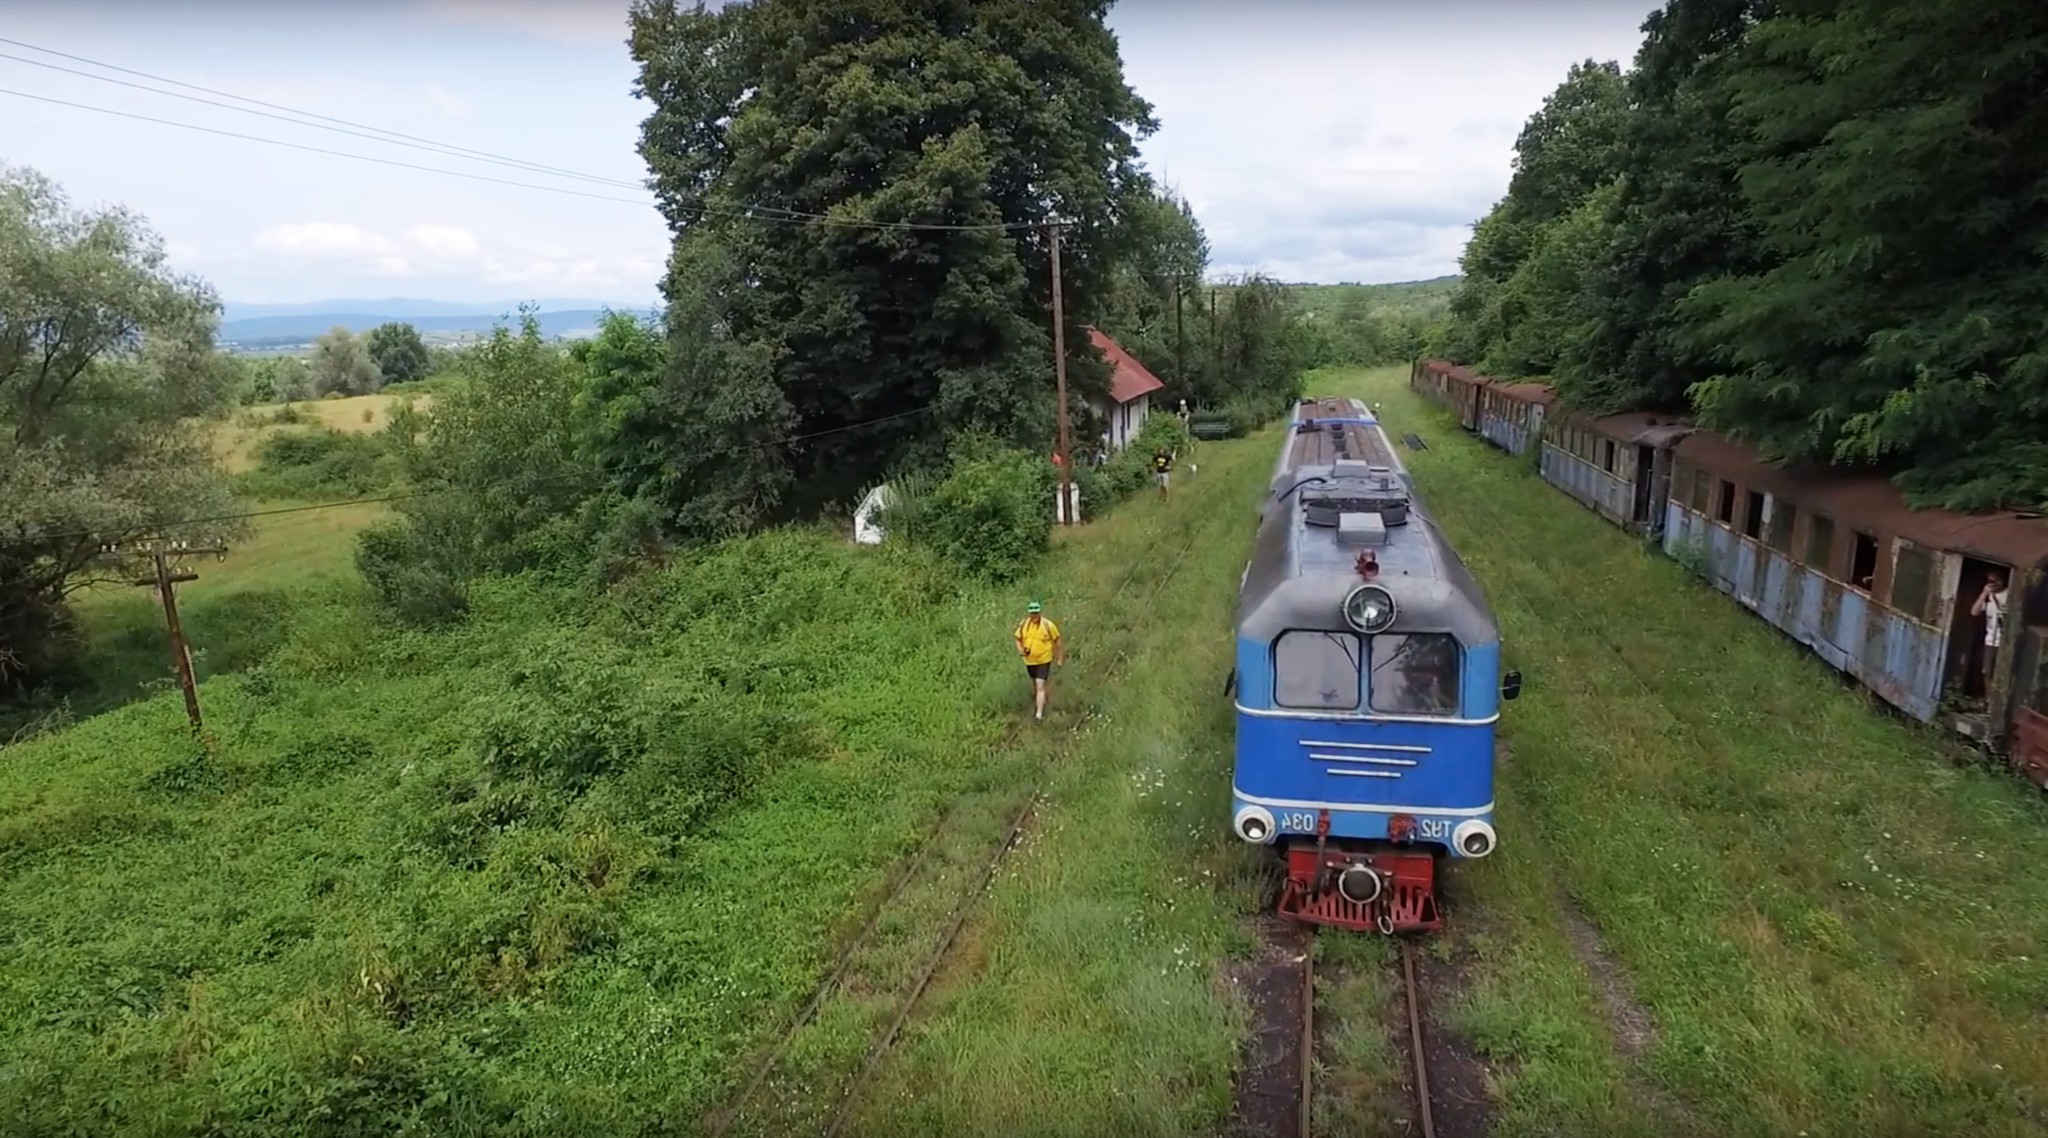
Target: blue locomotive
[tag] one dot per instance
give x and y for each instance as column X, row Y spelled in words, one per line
column 1367, row 683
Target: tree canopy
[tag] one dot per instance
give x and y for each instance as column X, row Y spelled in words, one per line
column 399, row 352
column 1820, row 227
column 342, row 365
column 792, row 142
column 104, row 355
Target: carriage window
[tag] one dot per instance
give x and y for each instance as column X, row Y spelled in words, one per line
column 1820, row 543
column 1783, row 514
column 1753, row 518
column 1724, row 508
column 1912, row 581
column 1316, row 669
column 1699, row 491
column 1607, row 455
column 1415, row 674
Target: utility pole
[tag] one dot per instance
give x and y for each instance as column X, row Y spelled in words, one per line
column 163, row 580
column 1066, row 509
column 1215, row 345
column 1180, row 336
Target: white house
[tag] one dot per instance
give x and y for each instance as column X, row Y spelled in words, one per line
column 1130, row 393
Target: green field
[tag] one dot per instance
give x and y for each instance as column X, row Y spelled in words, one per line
column 573, row 866
column 558, row 869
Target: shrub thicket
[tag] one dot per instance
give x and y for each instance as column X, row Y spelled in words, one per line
column 415, row 868
column 321, row 463
column 991, row 514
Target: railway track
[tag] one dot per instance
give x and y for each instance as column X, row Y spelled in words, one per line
column 1416, row 1045
column 843, row 1113
column 909, row 870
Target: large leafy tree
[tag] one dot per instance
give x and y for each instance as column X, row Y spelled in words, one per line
column 342, row 364
column 1567, row 151
column 1151, row 290
column 105, row 356
column 794, row 142
column 399, row 352
column 1677, row 217
column 1893, row 165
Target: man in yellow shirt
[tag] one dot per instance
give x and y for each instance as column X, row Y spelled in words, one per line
column 1038, row 641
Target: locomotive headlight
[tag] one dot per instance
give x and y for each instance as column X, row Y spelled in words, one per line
column 1369, row 609
column 1473, row 838
column 1255, row 825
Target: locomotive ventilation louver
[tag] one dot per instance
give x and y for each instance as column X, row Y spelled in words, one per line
column 1360, row 489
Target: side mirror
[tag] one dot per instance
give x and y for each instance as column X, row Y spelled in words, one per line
column 1511, row 685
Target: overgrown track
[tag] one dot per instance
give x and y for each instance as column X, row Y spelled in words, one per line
column 850, row 1100
column 914, row 863
column 1414, row 1040
column 1412, row 993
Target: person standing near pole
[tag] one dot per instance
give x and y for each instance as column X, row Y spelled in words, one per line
column 1038, row 641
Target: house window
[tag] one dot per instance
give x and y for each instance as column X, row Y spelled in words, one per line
column 1820, row 543
column 1783, row 515
column 1724, row 503
column 1753, row 517
column 1912, row 581
column 1863, row 562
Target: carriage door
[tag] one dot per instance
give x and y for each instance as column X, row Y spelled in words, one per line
column 1646, row 472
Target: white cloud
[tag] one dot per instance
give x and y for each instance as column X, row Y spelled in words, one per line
column 448, row 104
column 323, row 239
column 574, row 22
column 448, row 241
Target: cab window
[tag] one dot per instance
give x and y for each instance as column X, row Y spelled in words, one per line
column 1414, row 673
column 1316, row 669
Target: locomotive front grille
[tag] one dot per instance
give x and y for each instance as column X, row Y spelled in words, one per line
column 1363, row 760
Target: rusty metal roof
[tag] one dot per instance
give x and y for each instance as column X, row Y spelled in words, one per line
column 1526, row 392
column 1128, row 378
column 1870, row 502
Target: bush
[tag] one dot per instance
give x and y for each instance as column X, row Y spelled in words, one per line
column 415, row 586
column 1130, row 469
column 991, row 515
column 320, row 464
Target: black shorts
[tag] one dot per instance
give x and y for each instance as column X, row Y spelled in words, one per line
column 1038, row 671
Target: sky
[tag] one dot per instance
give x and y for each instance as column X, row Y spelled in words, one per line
column 1317, row 141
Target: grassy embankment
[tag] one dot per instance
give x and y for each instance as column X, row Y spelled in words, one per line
column 553, row 870
column 238, row 609
column 1734, row 896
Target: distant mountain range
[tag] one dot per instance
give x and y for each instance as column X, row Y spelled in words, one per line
column 405, row 308
column 259, row 326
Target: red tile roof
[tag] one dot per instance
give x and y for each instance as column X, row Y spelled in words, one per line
column 1128, row 378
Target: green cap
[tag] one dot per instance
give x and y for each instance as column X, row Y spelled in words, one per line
column 1034, row 606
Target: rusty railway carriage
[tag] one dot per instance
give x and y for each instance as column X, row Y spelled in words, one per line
column 1619, row 466
column 1367, row 684
column 1838, row 562
column 1511, row 415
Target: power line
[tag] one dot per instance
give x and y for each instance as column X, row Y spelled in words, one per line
column 374, row 134
column 320, row 149
column 746, row 210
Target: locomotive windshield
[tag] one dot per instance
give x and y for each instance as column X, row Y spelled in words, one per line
column 1316, row 669
column 1413, row 673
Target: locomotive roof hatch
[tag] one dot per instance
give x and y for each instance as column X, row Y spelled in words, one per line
column 1356, row 488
